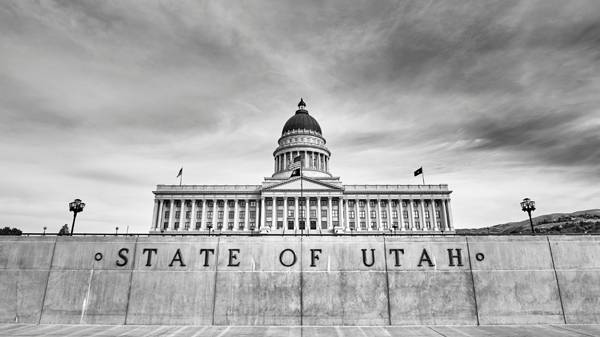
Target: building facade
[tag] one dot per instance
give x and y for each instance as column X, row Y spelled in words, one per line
column 314, row 202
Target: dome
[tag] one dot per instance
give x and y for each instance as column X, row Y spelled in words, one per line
column 301, row 121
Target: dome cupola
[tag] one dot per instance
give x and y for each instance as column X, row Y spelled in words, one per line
column 301, row 136
column 301, row 121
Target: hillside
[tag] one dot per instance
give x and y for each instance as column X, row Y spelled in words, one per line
column 587, row 221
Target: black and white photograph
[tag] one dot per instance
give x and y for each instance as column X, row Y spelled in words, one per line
column 299, row 168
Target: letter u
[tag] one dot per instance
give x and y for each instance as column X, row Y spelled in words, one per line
column 364, row 255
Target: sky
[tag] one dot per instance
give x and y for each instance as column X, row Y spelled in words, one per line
column 103, row 100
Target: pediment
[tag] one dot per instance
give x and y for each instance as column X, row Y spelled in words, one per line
column 307, row 184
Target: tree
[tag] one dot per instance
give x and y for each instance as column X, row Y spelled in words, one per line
column 64, row 230
column 10, row 231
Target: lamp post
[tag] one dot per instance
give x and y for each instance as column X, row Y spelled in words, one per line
column 45, row 230
column 528, row 205
column 75, row 206
column 116, row 230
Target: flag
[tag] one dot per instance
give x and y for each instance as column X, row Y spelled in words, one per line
column 180, row 173
column 419, row 171
column 296, row 166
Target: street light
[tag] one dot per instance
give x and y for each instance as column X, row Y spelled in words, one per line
column 75, row 206
column 116, row 230
column 45, row 230
column 528, row 205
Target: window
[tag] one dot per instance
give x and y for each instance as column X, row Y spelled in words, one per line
column 268, row 223
column 361, row 203
column 323, row 202
column 404, row 204
column 417, row 224
column 363, row 225
column 416, row 204
column 323, row 213
column 352, row 225
column 437, row 214
column 439, row 225
column 279, row 202
column 335, row 202
column 279, row 224
column 242, row 214
column 252, row 203
column 220, row 203
column 384, row 214
column 383, row 203
column 167, row 213
column 231, row 215
column 428, row 224
column 373, row 215
column 362, row 214
column 313, row 213
column 416, row 215
column 209, row 214
column 395, row 214
column 323, row 224
column 335, row 213
column 209, row 225
column 313, row 202
column 269, row 202
column 242, row 203
column 280, row 213
column 176, row 227
column 373, row 225
column 241, row 225
column 313, row 225
column 395, row 224
column 177, row 214
column 210, row 203
column 165, row 225
column 426, row 214
column 351, row 214
column 290, row 213
column 219, row 225
column 187, row 226
column 351, row 203
column 231, row 203
column 302, row 213
column 188, row 214
column 252, row 214
column 336, row 223
column 372, row 203
column 395, row 203
column 198, row 225
column 220, row 215
column 406, row 225
column 177, row 203
column 198, row 214
column 405, row 214
column 384, row 224
column 290, row 225
column 290, row 202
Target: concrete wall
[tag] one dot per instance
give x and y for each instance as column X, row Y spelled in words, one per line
column 360, row 280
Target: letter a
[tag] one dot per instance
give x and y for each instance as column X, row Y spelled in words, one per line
column 425, row 257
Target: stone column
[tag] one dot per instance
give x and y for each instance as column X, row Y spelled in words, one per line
column 171, row 214
column 214, row 215
column 296, row 213
column 390, row 219
column 444, row 216
column 346, row 218
column 401, row 215
column 423, row 220
column 433, row 217
column 330, row 213
column 379, row 226
column 263, row 209
column 369, row 214
column 161, row 212
column 319, row 217
column 411, row 214
column 193, row 215
column 182, row 215
column 203, row 215
column 247, row 214
column 154, row 214
column 236, row 214
column 450, row 219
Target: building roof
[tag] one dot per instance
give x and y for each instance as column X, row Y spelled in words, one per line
column 301, row 121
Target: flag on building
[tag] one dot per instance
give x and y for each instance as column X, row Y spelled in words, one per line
column 419, row 171
column 180, row 173
column 296, row 166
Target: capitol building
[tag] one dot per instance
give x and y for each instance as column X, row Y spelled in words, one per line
column 315, row 201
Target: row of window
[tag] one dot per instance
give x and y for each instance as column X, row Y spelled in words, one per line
column 209, row 214
column 210, row 203
column 384, row 213
column 312, row 202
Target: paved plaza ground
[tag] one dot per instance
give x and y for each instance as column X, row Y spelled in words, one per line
column 15, row 330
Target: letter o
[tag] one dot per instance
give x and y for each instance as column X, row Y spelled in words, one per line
column 281, row 257
column 479, row 257
column 98, row 257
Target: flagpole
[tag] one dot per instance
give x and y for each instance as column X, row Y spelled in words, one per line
column 423, row 176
